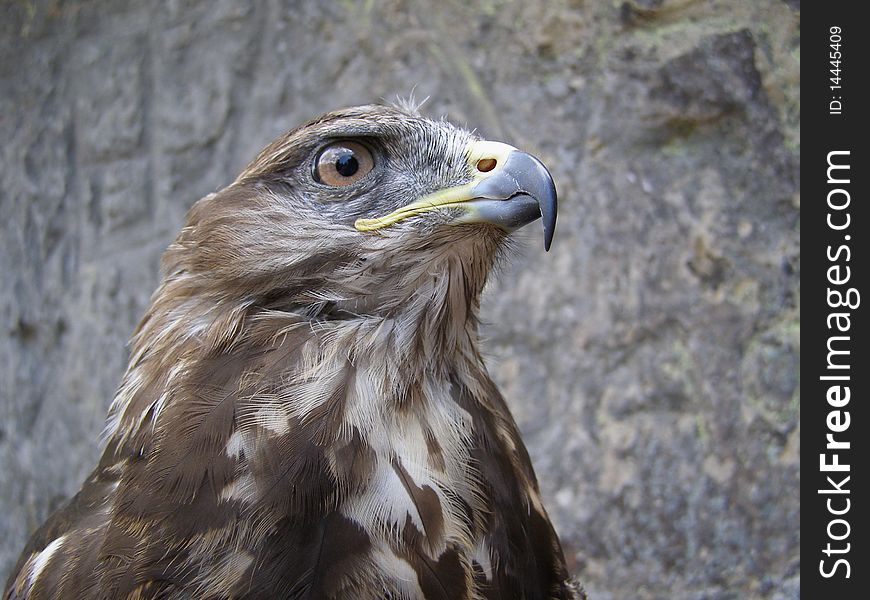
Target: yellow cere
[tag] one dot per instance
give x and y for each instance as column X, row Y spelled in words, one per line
column 453, row 196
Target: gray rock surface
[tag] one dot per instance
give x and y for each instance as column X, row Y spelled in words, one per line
column 651, row 358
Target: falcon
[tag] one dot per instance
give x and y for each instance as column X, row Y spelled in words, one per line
column 306, row 412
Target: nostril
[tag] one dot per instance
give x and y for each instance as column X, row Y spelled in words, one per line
column 484, row 165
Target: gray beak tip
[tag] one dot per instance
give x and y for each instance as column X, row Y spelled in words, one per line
column 549, row 208
column 531, row 177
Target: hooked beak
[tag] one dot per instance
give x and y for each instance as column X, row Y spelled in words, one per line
column 509, row 189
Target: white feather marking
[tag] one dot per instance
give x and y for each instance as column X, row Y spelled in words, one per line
column 113, row 422
column 244, row 488
column 235, row 445
column 483, row 557
column 174, row 373
column 405, row 577
column 385, row 504
column 273, row 416
column 223, row 573
column 39, row 561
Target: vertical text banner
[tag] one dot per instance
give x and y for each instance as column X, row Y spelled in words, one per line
column 835, row 427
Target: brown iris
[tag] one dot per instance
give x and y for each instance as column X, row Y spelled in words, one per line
column 343, row 163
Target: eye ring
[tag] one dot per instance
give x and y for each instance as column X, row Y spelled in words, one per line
column 343, row 163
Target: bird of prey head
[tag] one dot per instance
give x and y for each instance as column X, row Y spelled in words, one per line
column 306, row 413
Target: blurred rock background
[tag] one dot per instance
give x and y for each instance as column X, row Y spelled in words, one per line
column 651, row 358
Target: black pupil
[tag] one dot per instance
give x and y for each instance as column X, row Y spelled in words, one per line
column 346, row 164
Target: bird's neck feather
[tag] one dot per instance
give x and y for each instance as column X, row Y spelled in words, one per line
column 285, row 412
column 409, row 318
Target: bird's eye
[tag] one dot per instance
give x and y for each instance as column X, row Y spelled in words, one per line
column 343, row 163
